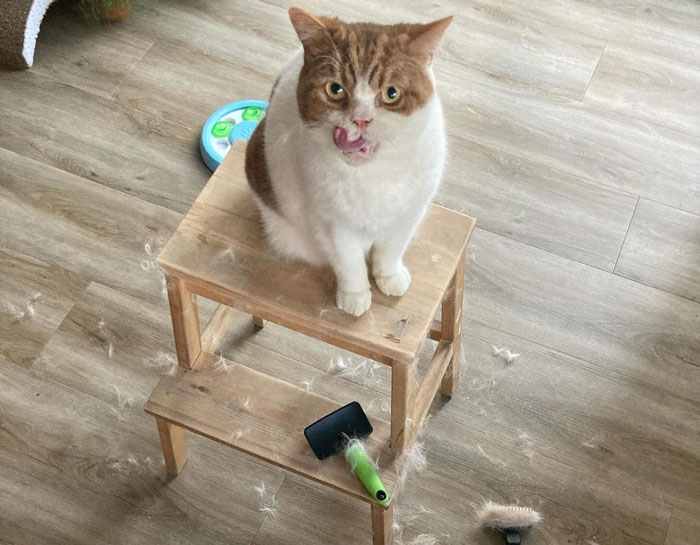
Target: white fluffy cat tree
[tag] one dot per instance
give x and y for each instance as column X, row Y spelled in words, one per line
column 19, row 27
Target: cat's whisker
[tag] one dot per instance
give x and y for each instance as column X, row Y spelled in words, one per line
column 328, row 61
column 332, row 42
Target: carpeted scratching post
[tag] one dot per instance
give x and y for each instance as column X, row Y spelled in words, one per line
column 19, row 27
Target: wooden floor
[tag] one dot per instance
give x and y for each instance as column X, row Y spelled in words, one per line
column 575, row 142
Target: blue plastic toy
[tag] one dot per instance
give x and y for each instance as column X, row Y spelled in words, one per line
column 235, row 121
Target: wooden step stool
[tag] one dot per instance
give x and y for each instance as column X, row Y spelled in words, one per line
column 219, row 252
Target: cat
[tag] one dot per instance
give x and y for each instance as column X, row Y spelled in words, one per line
column 351, row 150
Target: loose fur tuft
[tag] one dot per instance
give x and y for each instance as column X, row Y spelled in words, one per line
column 502, row 517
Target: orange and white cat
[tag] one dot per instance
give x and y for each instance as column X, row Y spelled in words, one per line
column 351, row 151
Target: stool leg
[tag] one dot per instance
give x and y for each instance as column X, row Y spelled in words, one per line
column 185, row 317
column 258, row 322
column 172, row 439
column 403, row 390
column 382, row 524
column 452, row 326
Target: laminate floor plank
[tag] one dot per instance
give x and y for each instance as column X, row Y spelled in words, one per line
column 580, row 413
column 188, row 92
column 640, row 332
column 675, row 16
column 662, row 28
column 86, row 54
column 98, row 139
column 587, row 141
column 649, row 87
column 81, row 226
column 684, row 529
column 112, row 347
column 662, row 249
column 540, row 206
column 36, row 296
column 252, row 35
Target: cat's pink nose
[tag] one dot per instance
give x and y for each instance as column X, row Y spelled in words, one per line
column 362, row 123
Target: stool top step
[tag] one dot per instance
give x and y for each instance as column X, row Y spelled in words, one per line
column 220, row 252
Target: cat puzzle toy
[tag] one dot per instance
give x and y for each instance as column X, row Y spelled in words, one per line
column 342, row 431
column 235, row 121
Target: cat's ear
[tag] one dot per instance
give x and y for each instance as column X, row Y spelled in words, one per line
column 307, row 26
column 425, row 38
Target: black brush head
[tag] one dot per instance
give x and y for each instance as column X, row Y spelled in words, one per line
column 329, row 435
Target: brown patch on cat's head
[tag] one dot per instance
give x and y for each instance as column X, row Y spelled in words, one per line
column 352, row 53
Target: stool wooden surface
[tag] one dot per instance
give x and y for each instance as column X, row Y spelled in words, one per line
column 219, row 252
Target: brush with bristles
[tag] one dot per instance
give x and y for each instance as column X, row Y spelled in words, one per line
column 509, row 519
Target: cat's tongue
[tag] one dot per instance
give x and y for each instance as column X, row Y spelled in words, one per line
column 340, row 137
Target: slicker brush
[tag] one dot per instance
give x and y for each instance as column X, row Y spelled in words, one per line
column 509, row 519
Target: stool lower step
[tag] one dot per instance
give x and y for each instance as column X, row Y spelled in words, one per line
column 264, row 417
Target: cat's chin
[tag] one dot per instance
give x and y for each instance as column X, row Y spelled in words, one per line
column 361, row 155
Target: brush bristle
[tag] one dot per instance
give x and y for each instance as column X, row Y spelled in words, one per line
column 500, row 517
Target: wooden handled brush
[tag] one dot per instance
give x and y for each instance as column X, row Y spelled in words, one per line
column 509, row 519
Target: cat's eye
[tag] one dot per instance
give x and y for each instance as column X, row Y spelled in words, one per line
column 390, row 94
column 335, row 90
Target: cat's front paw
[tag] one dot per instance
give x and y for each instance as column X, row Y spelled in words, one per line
column 395, row 284
column 354, row 302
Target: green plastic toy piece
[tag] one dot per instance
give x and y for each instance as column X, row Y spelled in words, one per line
column 253, row 113
column 222, row 129
column 363, row 468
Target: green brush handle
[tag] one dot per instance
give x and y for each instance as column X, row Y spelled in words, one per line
column 363, row 468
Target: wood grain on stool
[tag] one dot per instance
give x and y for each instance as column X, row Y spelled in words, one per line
column 403, row 393
column 183, row 311
column 216, row 328
column 382, row 524
column 451, row 326
column 431, row 381
column 172, row 439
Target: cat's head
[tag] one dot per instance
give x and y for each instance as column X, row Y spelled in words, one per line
column 362, row 83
